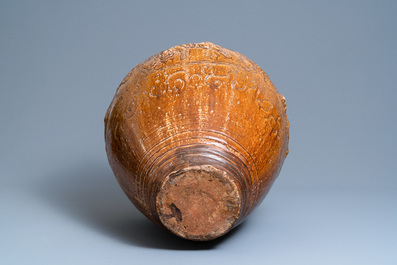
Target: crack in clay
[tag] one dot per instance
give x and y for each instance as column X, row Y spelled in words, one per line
column 176, row 213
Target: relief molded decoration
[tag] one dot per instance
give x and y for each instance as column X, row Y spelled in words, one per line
column 213, row 76
column 195, row 136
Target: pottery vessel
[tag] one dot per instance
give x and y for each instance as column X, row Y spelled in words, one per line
column 196, row 136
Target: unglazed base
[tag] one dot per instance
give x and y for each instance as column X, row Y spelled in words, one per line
column 199, row 203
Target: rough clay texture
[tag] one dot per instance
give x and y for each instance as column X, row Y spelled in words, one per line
column 196, row 105
column 198, row 203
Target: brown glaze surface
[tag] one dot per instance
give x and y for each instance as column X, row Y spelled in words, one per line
column 196, row 135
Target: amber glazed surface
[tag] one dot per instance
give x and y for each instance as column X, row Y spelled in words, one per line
column 196, row 136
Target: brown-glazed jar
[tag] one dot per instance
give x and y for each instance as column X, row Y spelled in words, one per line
column 196, row 135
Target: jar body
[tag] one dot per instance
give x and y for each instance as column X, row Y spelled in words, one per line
column 195, row 136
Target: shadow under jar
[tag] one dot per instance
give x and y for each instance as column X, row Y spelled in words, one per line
column 196, row 136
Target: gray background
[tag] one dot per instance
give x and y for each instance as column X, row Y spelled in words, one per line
column 335, row 201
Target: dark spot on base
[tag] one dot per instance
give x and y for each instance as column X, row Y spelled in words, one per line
column 176, row 212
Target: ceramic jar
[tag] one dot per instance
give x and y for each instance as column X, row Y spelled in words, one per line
column 196, row 136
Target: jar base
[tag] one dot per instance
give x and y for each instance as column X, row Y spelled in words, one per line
column 199, row 203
